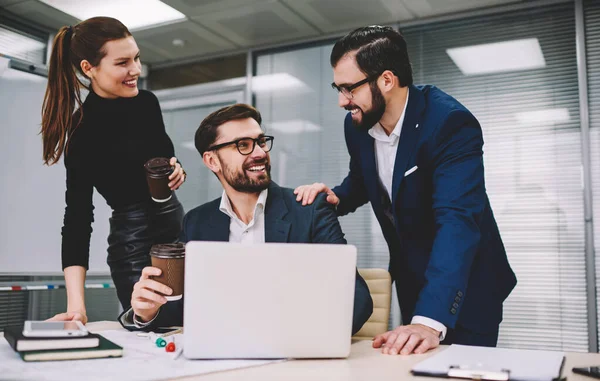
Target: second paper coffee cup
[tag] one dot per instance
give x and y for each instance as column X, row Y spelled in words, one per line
column 158, row 171
column 170, row 258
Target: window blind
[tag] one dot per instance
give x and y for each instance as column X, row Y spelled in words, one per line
column 592, row 32
column 21, row 46
column 530, row 122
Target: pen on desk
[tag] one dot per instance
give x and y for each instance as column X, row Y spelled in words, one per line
column 173, row 332
column 179, row 352
column 176, row 331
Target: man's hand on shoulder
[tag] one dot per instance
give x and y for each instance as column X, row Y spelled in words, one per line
column 407, row 339
column 307, row 194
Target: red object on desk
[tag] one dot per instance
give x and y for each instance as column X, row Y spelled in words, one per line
column 170, row 347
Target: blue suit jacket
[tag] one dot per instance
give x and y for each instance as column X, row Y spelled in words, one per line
column 446, row 254
column 285, row 221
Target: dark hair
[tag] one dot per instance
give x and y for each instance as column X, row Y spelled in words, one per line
column 379, row 48
column 206, row 134
column 72, row 44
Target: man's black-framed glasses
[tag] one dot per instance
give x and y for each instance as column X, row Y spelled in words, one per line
column 246, row 146
column 347, row 90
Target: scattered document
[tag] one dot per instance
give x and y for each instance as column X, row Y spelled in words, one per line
column 142, row 360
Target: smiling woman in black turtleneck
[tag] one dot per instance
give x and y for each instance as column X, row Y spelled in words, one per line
column 106, row 143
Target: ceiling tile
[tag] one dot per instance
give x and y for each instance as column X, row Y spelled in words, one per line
column 5, row 3
column 42, row 14
column 427, row 8
column 215, row 26
column 195, row 8
column 341, row 15
column 150, row 54
column 257, row 24
column 198, row 40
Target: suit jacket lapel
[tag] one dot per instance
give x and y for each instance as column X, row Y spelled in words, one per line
column 276, row 229
column 218, row 227
column 369, row 169
column 408, row 138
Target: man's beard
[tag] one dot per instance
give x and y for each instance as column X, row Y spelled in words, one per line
column 241, row 182
column 372, row 116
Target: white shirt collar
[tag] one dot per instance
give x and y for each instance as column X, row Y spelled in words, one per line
column 226, row 207
column 377, row 132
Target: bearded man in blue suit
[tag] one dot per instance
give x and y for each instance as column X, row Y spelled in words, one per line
column 416, row 155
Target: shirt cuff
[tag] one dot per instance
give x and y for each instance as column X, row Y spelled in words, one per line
column 431, row 324
column 141, row 324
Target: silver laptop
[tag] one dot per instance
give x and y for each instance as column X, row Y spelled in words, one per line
column 268, row 300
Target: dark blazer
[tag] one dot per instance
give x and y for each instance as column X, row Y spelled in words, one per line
column 285, row 221
column 446, row 254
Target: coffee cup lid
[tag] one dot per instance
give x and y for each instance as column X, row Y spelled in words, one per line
column 158, row 165
column 168, row 250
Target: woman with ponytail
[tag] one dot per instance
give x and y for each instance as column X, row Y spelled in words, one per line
column 106, row 140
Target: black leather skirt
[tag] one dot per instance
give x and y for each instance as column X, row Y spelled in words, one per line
column 133, row 230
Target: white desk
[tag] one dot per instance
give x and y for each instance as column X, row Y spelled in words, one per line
column 364, row 363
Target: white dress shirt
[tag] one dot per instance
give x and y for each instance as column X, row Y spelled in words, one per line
column 239, row 232
column 386, row 147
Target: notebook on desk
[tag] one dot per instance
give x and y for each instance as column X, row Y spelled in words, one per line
column 498, row 364
column 19, row 342
column 106, row 348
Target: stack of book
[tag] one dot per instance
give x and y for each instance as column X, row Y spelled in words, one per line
column 60, row 348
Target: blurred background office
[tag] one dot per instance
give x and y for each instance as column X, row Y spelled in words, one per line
column 529, row 70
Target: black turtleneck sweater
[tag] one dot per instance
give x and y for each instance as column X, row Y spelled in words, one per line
column 107, row 151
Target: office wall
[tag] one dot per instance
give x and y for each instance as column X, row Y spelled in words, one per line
column 31, row 212
column 201, row 185
column 309, row 142
column 530, row 121
column 31, row 194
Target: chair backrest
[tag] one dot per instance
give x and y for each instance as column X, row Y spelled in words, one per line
column 380, row 287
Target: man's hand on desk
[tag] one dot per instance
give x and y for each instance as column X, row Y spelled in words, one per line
column 146, row 299
column 407, row 339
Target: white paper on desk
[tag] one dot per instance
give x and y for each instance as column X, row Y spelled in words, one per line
column 142, row 360
column 524, row 365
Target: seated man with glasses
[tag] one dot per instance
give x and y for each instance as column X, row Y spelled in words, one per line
column 252, row 209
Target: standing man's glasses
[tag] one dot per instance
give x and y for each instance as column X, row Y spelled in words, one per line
column 246, row 146
column 347, row 90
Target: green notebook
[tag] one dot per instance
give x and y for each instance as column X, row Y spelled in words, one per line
column 106, row 349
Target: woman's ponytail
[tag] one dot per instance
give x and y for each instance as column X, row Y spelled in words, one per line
column 62, row 92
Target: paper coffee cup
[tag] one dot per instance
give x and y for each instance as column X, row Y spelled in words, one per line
column 158, row 171
column 170, row 258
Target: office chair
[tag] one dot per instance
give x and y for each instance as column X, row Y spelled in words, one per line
column 380, row 287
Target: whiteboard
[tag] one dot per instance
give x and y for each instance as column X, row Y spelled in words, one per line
column 32, row 195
